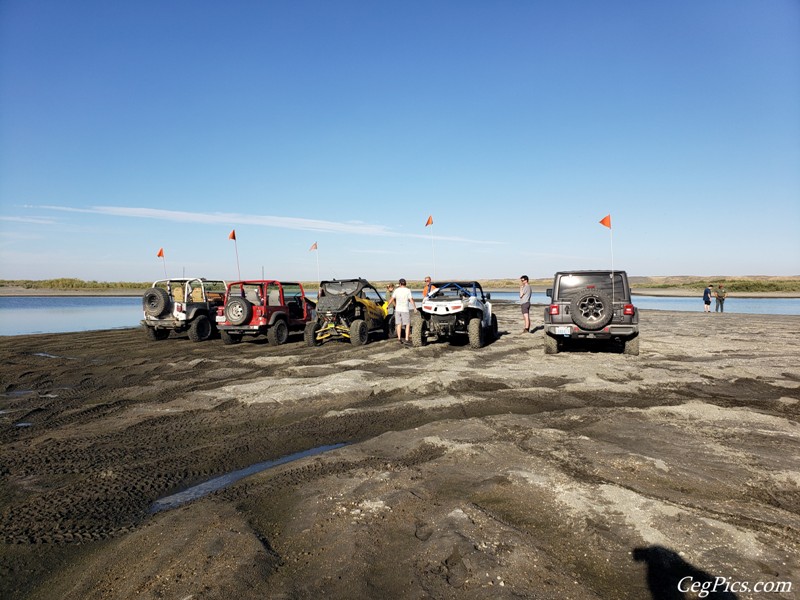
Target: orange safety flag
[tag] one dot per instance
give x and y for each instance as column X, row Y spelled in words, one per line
column 606, row 221
column 313, row 247
column 429, row 221
column 160, row 253
column 232, row 235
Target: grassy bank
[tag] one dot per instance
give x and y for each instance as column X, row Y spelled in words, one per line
column 71, row 284
column 732, row 285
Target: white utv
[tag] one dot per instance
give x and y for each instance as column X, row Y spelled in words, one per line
column 455, row 310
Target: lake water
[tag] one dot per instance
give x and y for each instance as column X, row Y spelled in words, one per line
column 22, row 315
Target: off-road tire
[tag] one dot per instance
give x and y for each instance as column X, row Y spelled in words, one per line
column 156, row 302
column 591, row 309
column 359, row 332
column 389, row 327
column 631, row 347
column 310, row 333
column 156, row 334
column 475, row 333
column 238, row 311
column 550, row 344
column 230, row 338
column 278, row 333
column 201, row 329
column 419, row 332
column 494, row 329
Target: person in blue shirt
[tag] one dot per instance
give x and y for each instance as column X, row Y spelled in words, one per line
column 707, row 293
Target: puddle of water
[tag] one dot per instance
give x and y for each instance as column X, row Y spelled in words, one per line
column 23, row 424
column 212, row 485
column 16, row 393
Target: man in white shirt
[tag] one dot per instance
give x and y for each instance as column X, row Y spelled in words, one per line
column 401, row 298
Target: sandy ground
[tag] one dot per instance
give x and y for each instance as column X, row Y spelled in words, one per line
column 492, row 473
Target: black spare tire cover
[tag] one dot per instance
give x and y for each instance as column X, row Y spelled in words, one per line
column 155, row 302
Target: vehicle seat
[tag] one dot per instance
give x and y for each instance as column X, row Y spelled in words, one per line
column 253, row 297
column 274, row 298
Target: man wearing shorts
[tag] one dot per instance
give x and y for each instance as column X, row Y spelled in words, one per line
column 525, row 302
column 401, row 298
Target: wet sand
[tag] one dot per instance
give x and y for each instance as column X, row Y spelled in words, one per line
column 492, row 473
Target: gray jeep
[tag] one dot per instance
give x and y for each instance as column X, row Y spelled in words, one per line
column 454, row 310
column 591, row 305
column 182, row 304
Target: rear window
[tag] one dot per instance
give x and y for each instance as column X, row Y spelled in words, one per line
column 569, row 285
column 340, row 288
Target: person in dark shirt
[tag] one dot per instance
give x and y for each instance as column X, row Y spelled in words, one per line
column 707, row 298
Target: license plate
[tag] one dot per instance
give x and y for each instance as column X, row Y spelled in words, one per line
column 563, row 330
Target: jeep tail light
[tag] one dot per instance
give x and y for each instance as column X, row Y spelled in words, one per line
column 629, row 309
column 179, row 307
column 554, row 309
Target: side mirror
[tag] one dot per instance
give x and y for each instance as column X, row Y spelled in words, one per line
column 488, row 295
column 549, row 292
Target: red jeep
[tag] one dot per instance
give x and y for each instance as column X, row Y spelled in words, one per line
column 263, row 306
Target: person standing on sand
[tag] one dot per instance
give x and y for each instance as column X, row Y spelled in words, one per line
column 389, row 292
column 525, row 302
column 720, row 296
column 401, row 298
column 707, row 298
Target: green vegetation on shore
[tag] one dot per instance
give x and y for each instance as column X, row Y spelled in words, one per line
column 732, row 285
column 68, row 283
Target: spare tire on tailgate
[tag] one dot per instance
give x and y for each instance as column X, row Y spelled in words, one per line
column 156, row 302
column 591, row 309
column 238, row 311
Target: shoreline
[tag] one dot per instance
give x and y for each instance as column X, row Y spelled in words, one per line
column 20, row 292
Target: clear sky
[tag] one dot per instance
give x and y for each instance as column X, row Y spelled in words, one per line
column 517, row 124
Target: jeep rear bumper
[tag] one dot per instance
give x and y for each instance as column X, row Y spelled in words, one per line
column 169, row 323
column 606, row 333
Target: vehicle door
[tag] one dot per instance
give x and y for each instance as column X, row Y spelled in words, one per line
column 373, row 303
column 295, row 302
column 273, row 300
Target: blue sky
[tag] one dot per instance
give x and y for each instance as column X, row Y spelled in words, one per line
column 130, row 126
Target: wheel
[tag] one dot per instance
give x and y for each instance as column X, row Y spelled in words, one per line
column 631, row 346
column 156, row 334
column 156, row 302
column 310, row 333
column 359, row 333
column 238, row 311
column 494, row 327
column 278, row 333
column 550, row 344
column 419, row 332
column 475, row 332
column 388, row 328
column 230, row 338
column 591, row 309
column 200, row 329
